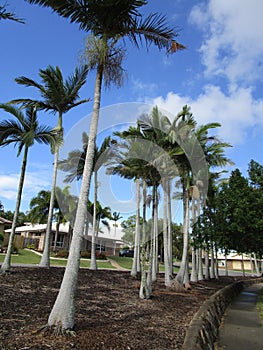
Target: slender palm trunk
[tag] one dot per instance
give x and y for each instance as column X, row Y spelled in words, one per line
column 200, row 265
column 212, row 275
column 56, row 236
column 7, row 261
column 183, row 274
column 243, row 266
column 62, row 315
column 167, row 269
column 93, row 263
column 207, row 267
column 169, row 218
column 256, row 264
column 135, row 265
column 144, row 292
column 226, row 266
column 45, row 259
column 194, row 276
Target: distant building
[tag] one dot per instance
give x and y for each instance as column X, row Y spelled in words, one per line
column 108, row 241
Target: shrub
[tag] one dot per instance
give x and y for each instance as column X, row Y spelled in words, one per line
column 61, row 254
column 101, row 256
column 85, row 255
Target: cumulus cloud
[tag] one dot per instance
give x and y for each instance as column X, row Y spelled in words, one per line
column 236, row 110
column 233, row 45
column 34, row 182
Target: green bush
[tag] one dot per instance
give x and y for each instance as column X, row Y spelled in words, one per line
column 61, row 254
column 85, row 255
column 31, row 246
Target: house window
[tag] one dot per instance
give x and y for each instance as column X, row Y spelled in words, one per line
column 101, row 247
column 60, row 241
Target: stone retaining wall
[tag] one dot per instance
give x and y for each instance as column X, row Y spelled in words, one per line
column 203, row 329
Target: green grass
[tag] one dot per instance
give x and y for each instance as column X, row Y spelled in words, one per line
column 260, row 305
column 29, row 257
column 123, row 261
column 24, row 257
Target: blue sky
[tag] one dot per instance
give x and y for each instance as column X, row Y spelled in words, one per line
column 219, row 76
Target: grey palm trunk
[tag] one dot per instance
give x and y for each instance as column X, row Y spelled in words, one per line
column 63, row 312
column 136, row 258
column 45, row 259
column 7, row 261
column 93, row 263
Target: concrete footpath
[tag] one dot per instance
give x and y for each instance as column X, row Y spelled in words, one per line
column 241, row 328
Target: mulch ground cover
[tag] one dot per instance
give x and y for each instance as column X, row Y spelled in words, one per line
column 109, row 313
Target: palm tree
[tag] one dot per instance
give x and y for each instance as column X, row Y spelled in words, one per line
column 58, row 96
column 109, row 21
column 4, row 14
column 74, row 165
column 115, row 217
column 23, row 132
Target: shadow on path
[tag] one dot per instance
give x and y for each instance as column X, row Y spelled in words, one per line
column 241, row 328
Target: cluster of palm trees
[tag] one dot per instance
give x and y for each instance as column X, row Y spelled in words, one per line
column 160, row 152
column 171, row 149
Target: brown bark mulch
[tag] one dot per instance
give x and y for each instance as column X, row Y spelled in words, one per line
column 109, row 313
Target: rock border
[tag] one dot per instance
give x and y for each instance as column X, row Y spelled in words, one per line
column 203, row 329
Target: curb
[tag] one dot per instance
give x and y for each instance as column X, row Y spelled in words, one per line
column 203, row 329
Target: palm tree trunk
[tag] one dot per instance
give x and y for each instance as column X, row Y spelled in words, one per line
column 193, row 277
column 45, row 259
column 207, row 267
column 7, row 261
column 200, row 265
column 167, row 269
column 144, row 292
column 256, row 264
column 226, row 265
column 183, row 274
column 63, row 312
column 212, row 261
column 93, row 263
column 135, row 265
column 169, row 218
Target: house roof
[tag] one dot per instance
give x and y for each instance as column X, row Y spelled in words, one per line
column 234, row 256
column 5, row 221
column 104, row 233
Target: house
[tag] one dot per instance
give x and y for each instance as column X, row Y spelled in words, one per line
column 108, row 241
column 234, row 261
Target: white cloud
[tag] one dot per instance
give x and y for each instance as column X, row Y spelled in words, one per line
column 233, row 44
column 237, row 111
column 138, row 86
column 34, row 182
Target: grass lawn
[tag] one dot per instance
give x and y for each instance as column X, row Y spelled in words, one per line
column 29, row 257
column 260, row 305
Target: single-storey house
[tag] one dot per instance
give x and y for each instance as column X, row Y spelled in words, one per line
column 234, row 261
column 108, row 241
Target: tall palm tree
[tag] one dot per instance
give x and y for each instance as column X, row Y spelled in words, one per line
column 4, row 14
column 22, row 132
column 115, row 217
column 74, row 165
column 109, row 21
column 58, row 96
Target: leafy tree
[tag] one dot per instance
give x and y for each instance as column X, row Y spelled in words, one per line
column 23, row 132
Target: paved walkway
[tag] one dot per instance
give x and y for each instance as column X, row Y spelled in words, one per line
column 241, row 328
